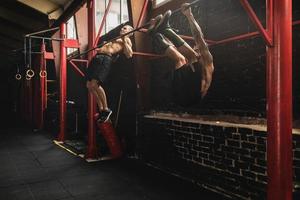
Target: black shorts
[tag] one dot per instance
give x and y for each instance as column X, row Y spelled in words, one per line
column 99, row 68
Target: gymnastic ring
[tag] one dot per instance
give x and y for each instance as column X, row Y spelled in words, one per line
column 43, row 73
column 28, row 78
column 30, row 73
column 18, row 76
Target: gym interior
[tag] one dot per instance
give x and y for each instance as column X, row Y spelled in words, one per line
column 164, row 139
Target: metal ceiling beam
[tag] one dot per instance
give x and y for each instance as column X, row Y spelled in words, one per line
column 70, row 10
column 49, row 8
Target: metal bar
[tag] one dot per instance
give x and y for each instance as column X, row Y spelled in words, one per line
column 42, row 88
column 77, row 69
column 113, row 39
column 147, row 54
column 118, row 110
column 72, row 43
column 144, row 30
column 92, row 151
column 296, row 22
column 143, row 11
column 102, row 24
column 238, row 37
column 179, row 9
column 46, row 38
column 63, row 85
column 80, row 60
column 49, row 55
column 279, row 103
column 43, row 31
column 256, row 22
column 36, row 52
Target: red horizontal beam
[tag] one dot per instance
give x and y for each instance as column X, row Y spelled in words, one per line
column 213, row 42
column 296, row 22
column 148, row 54
column 144, row 30
column 49, row 55
column 238, row 37
column 245, row 36
column 72, row 43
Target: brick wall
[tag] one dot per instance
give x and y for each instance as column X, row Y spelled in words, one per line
column 226, row 158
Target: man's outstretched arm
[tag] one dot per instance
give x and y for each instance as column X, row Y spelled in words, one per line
column 206, row 58
column 197, row 33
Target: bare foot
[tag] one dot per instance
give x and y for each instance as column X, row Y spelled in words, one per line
column 186, row 9
column 154, row 22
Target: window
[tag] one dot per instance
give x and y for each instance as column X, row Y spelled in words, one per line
column 71, row 33
column 118, row 13
column 158, row 3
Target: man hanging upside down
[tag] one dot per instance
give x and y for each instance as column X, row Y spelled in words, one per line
column 99, row 68
column 166, row 41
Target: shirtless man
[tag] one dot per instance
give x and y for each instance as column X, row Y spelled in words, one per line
column 99, row 68
column 166, row 41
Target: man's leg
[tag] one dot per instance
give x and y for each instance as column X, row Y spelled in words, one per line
column 105, row 112
column 90, row 86
column 161, row 45
column 184, row 48
column 99, row 93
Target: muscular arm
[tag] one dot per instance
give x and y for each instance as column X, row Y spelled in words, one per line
column 127, row 47
column 206, row 58
column 199, row 39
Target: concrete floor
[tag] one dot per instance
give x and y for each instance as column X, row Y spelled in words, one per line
column 33, row 168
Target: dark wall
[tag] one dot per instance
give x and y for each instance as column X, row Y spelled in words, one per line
column 6, row 104
column 238, row 84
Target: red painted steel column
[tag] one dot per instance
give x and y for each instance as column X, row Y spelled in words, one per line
column 41, row 91
column 91, row 152
column 144, row 9
column 63, row 84
column 279, row 101
column 43, row 84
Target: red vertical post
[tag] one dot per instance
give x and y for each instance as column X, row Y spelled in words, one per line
column 91, row 152
column 144, row 9
column 41, row 91
column 279, row 100
column 63, row 84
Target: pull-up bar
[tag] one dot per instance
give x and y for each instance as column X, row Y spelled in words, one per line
column 111, row 40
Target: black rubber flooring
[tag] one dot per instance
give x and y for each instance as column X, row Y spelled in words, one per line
column 32, row 167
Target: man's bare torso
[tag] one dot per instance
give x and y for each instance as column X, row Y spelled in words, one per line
column 112, row 48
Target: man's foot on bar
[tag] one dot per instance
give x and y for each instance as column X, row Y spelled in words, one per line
column 153, row 23
column 164, row 22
